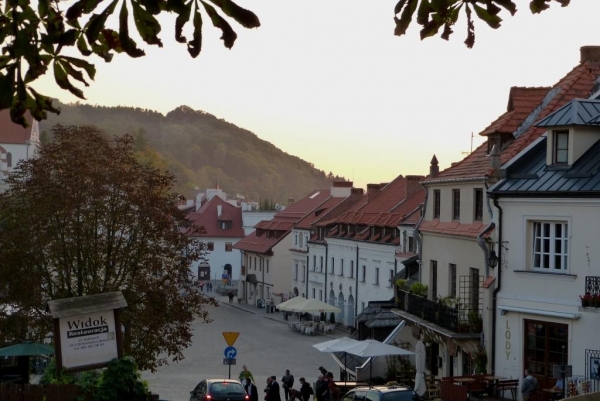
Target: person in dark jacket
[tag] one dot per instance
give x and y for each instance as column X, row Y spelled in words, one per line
column 273, row 393
column 322, row 389
column 305, row 389
column 287, row 382
column 251, row 390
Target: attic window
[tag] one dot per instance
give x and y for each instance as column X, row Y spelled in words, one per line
column 315, row 194
column 560, row 153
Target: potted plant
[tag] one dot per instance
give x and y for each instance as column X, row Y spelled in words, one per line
column 480, row 359
column 586, row 299
column 419, row 289
column 475, row 321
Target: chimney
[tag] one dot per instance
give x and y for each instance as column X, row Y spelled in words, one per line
column 357, row 191
column 413, row 185
column 341, row 189
column 434, row 168
column 589, row 53
column 219, row 210
column 373, row 191
column 495, row 161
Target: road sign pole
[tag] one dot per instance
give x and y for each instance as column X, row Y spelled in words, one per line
column 229, row 371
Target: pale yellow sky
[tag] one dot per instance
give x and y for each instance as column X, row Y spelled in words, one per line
column 330, row 83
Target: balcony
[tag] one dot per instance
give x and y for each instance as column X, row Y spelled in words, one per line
column 458, row 319
column 591, row 295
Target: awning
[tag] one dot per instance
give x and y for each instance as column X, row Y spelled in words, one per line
column 566, row 315
column 251, row 278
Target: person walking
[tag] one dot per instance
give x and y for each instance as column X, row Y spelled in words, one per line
column 334, row 390
column 529, row 386
column 245, row 374
column 230, row 296
column 305, row 389
column 251, row 390
column 273, row 393
column 287, row 381
column 321, row 389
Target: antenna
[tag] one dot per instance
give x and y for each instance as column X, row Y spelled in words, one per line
column 471, row 151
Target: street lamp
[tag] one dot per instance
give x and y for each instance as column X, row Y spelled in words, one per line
column 493, row 259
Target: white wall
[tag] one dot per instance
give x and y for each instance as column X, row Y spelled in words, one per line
column 250, row 219
column 219, row 258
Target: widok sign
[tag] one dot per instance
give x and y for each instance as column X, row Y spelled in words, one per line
column 88, row 339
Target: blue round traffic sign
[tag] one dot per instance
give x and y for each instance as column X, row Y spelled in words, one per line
column 230, row 352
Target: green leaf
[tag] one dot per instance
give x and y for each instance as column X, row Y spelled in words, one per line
column 182, row 19
column 97, row 22
column 62, row 80
column 37, row 67
column 244, row 17
column 508, row 5
column 44, row 102
column 147, row 26
column 81, row 7
column 423, row 14
column 76, row 74
column 470, row 41
column 229, row 36
column 43, row 6
column 82, row 46
column 492, row 20
column 195, row 45
column 128, row 44
column 68, row 38
column 405, row 19
column 153, row 6
column 89, row 68
column 7, row 88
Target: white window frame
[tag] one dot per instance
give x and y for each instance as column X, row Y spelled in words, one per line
column 544, row 243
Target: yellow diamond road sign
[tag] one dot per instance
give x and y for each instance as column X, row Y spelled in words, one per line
column 230, row 337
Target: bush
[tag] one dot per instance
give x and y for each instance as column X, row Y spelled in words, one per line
column 419, row 289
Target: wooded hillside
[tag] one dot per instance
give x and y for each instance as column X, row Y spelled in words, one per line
column 201, row 149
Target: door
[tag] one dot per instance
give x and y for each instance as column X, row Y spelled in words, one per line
column 544, row 345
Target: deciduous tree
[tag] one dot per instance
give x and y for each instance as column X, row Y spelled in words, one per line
column 85, row 218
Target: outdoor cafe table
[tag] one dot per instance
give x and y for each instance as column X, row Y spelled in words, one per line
column 552, row 393
column 494, row 379
column 464, row 380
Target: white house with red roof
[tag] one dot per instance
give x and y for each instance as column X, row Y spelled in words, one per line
column 266, row 254
column 16, row 143
column 461, row 259
column 353, row 258
column 218, row 224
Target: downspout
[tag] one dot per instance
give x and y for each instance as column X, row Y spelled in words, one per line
column 356, row 287
column 307, row 261
column 417, row 234
column 325, row 290
column 262, row 268
column 497, row 289
column 490, row 227
column 242, row 253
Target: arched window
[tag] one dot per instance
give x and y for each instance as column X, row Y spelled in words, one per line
column 9, row 159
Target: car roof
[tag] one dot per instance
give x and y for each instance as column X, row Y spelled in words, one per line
column 222, row 381
column 383, row 389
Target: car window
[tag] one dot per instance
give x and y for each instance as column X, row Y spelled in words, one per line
column 360, row 396
column 349, row 396
column 226, row 388
column 199, row 387
column 373, row 395
column 397, row 396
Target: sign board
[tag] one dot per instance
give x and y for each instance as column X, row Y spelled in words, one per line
column 227, row 361
column 230, row 337
column 230, row 352
column 88, row 339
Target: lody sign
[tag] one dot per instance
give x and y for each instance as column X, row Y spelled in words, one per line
column 87, row 330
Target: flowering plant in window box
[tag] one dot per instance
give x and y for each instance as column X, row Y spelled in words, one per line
column 586, row 299
column 595, row 301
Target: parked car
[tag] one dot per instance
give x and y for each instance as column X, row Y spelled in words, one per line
column 382, row 393
column 219, row 390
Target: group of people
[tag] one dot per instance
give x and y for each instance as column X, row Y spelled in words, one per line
column 208, row 285
column 530, row 385
column 325, row 389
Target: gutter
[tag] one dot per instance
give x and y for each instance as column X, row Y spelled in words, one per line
column 490, row 227
column 307, row 267
column 326, row 257
column 417, row 233
column 497, row 289
column 356, row 288
column 450, row 180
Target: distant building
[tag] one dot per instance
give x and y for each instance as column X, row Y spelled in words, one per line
column 16, row 144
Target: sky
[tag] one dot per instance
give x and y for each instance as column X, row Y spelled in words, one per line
column 328, row 81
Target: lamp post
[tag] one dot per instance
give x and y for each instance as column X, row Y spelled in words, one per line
column 493, row 259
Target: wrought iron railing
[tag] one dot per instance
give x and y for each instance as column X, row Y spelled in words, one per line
column 592, row 285
column 456, row 319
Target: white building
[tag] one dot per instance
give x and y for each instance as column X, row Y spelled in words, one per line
column 16, row 143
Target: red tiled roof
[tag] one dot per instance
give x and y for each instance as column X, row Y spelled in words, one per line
column 297, row 211
column 391, row 194
column 577, row 83
column 453, row 228
column 207, row 218
column 276, row 225
column 319, row 213
column 259, row 244
column 11, row 132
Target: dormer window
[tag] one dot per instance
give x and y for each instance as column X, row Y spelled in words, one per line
column 560, row 152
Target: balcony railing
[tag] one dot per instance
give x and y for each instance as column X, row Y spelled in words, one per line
column 456, row 319
column 592, row 285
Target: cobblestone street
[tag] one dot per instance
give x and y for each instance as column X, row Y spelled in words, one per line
column 265, row 345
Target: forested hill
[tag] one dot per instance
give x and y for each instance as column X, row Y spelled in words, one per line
column 201, row 149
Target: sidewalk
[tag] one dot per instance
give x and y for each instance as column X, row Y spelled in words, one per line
column 262, row 312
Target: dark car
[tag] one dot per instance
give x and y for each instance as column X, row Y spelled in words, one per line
column 219, row 390
column 382, row 393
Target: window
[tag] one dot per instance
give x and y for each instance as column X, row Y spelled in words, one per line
column 434, row 279
column 320, row 295
column 228, row 247
column 295, row 238
column 544, row 342
column 211, row 246
column 560, row 154
column 550, row 246
column 436, row 203
column 478, row 204
column 9, row 159
column 452, row 291
column 303, row 273
column 301, row 241
column 363, row 273
column 376, row 282
column 296, row 271
column 267, row 265
column 314, row 292
column 456, row 204
column 411, row 245
column 332, row 267
column 314, row 263
column 321, row 265
column 225, row 225
column 351, row 269
column 341, row 267
column 391, row 277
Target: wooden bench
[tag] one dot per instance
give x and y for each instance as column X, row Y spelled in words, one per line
column 507, row 385
column 477, row 389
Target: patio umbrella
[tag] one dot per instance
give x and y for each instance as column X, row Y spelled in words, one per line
column 290, row 302
column 338, row 345
column 371, row 348
column 420, row 387
column 310, row 306
column 27, row 349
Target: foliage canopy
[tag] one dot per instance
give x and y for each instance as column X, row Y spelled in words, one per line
column 85, row 218
column 34, row 38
